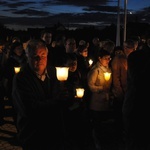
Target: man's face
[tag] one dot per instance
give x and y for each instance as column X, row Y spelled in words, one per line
column 38, row 60
column 70, row 46
column 47, row 37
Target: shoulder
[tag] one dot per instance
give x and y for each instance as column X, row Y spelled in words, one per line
column 135, row 54
column 95, row 69
column 118, row 60
column 139, row 56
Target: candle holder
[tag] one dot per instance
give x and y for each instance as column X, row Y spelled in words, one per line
column 62, row 76
column 17, row 69
column 62, row 73
column 107, row 75
column 79, row 92
column 90, row 62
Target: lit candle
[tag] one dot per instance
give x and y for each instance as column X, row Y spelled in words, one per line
column 107, row 75
column 62, row 73
column 90, row 62
column 17, row 69
column 79, row 92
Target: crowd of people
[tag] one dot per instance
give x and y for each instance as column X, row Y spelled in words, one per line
column 48, row 114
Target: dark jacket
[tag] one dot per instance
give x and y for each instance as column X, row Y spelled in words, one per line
column 39, row 115
column 136, row 103
column 12, row 61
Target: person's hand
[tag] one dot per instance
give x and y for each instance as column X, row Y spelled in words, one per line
column 105, row 88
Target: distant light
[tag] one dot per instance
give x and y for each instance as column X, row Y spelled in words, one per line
column 130, row 12
column 143, row 19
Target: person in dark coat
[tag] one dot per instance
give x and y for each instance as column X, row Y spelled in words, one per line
column 136, row 103
column 84, row 67
column 77, row 125
column 16, row 58
column 3, row 59
column 36, row 100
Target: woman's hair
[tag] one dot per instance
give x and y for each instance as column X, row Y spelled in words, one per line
column 70, row 58
column 103, row 53
column 81, row 48
column 14, row 45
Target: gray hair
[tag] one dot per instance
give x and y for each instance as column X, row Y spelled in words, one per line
column 33, row 45
column 129, row 44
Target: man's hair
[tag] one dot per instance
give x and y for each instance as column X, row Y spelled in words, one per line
column 45, row 32
column 33, row 45
column 129, row 44
column 108, row 45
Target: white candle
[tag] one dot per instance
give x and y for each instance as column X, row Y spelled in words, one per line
column 107, row 75
column 62, row 73
column 17, row 69
column 90, row 62
column 79, row 92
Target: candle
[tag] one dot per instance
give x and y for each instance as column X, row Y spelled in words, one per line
column 79, row 92
column 90, row 62
column 17, row 69
column 107, row 75
column 62, row 73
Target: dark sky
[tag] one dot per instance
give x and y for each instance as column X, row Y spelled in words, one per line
column 20, row 14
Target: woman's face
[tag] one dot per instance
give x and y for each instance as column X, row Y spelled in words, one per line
column 18, row 50
column 105, row 60
column 84, row 53
column 73, row 66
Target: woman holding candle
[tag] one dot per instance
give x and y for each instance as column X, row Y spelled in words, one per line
column 16, row 58
column 3, row 59
column 76, row 125
column 99, row 87
column 84, row 66
column 83, row 61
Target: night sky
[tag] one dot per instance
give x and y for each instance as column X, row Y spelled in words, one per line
column 20, row 14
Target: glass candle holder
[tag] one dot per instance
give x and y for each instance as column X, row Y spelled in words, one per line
column 90, row 62
column 62, row 73
column 17, row 69
column 107, row 75
column 80, row 92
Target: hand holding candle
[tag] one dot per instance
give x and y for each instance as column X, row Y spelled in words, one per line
column 90, row 62
column 62, row 73
column 79, row 92
column 17, row 69
column 107, row 75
